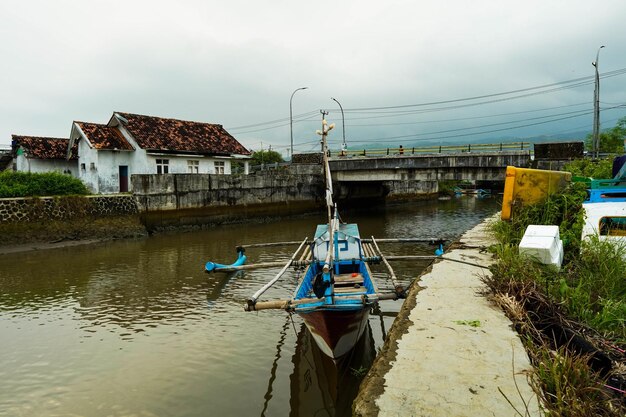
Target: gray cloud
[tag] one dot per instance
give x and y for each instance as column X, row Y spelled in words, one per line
column 237, row 63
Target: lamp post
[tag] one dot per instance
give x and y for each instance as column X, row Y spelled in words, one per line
column 596, row 108
column 291, row 117
column 343, row 125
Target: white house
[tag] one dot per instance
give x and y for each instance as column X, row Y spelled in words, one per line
column 42, row 154
column 135, row 144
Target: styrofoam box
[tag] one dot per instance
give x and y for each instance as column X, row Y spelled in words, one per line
column 542, row 230
column 542, row 243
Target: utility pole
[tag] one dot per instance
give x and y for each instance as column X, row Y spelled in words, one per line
column 343, row 126
column 596, row 108
column 291, row 116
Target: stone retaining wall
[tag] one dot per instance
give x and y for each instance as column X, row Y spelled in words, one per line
column 15, row 210
column 175, row 200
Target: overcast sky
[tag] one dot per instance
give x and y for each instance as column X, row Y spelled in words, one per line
column 237, row 63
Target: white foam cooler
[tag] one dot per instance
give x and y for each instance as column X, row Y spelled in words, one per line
column 543, row 244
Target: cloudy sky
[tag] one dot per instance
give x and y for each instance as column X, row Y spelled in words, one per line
column 404, row 71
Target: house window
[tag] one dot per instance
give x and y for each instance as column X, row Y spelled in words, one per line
column 219, row 167
column 92, row 166
column 163, row 166
column 82, row 167
column 193, row 166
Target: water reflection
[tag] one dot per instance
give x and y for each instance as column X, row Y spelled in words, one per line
column 137, row 327
column 321, row 386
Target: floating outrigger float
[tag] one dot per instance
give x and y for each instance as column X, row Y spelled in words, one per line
column 337, row 290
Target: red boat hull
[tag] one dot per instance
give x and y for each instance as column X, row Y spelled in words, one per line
column 336, row 331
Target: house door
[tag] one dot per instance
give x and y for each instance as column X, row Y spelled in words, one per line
column 123, row 178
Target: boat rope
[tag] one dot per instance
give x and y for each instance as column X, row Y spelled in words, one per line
column 295, row 332
column 270, row 384
column 621, row 391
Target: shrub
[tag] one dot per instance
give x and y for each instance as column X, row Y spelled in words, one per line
column 25, row 184
column 602, row 169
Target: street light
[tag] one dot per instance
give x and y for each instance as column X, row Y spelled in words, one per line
column 291, row 117
column 343, row 125
column 596, row 108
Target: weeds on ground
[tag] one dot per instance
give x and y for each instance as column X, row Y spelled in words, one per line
column 567, row 387
column 585, row 297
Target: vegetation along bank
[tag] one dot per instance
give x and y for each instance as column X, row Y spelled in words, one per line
column 572, row 321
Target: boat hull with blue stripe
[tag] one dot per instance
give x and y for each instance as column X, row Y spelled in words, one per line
column 334, row 300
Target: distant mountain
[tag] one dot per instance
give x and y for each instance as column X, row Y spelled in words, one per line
column 569, row 137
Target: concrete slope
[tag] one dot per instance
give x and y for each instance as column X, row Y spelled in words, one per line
column 450, row 351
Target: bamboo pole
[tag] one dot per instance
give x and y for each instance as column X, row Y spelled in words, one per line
column 282, row 271
column 409, row 257
column 265, row 245
column 290, row 304
column 406, row 240
column 394, row 280
column 305, row 253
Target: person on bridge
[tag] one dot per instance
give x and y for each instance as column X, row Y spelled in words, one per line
column 401, row 149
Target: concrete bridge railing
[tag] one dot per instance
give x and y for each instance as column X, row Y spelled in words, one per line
column 480, row 166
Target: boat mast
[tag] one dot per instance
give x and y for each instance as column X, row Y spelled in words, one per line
column 329, row 182
column 330, row 205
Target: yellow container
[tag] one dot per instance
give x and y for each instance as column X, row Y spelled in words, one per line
column 528, row 186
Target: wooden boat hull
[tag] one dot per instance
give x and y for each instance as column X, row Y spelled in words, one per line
column 336, row 331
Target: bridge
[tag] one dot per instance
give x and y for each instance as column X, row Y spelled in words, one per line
column 470, row 166
column 416, row 175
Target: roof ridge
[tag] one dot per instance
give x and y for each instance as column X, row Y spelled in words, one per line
column 38, row 137
column 166, row 118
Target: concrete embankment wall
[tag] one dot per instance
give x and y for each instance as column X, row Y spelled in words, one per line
column 17, row 210
column 175, row 200
column 66, row 218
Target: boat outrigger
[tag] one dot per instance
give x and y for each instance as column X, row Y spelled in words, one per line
column 337, row 290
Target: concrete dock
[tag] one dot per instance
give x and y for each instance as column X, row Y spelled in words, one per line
column 451, row 352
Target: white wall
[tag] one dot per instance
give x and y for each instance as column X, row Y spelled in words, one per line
column 178, row 164
column 34, row 165
column 108, row 169
column 87, row 156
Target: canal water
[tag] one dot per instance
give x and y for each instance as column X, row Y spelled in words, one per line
column 136, row 328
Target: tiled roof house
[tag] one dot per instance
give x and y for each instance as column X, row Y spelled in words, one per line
column 137, row 144
column 44, row 154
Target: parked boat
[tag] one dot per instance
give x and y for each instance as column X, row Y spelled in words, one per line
column 337, row 290
column 605, row 209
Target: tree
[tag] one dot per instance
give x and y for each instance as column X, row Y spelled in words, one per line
column 266, row 157
column 612, row 140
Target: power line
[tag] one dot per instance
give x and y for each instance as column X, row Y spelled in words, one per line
column 578, row 81
column 529, row 92
column 465, row 118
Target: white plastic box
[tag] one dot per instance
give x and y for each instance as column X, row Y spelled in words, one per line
column 543, row 244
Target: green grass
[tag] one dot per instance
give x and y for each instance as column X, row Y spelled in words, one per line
column 567, row 387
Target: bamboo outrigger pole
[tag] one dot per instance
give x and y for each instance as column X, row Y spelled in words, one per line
column 394, row 280
column 252, row 300
column 407, row 240
column 264, row 245
column 291, row 304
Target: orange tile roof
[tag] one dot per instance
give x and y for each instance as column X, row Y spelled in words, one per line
column 161, row 134
column 104, row 137
column 44, row 147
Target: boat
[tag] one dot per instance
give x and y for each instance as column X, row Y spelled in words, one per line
column 605, row 211
column 337, row 290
